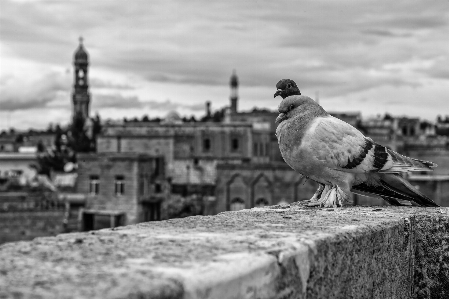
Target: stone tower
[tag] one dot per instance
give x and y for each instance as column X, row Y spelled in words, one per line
column 80, row 93
column 234, row 92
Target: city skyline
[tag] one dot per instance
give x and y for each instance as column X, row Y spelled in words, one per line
column 150, row 59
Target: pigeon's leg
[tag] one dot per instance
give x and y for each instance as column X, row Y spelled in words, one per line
column 336, row 197
column 323, row 198
column 317, row 194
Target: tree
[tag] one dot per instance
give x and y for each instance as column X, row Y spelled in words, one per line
column 58, row 136
column 78, row 139
column 96, row 130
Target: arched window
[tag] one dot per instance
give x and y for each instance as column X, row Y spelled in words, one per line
column 261, row 202
column 237, row 204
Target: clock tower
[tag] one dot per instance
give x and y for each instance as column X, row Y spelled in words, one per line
column 80, row 93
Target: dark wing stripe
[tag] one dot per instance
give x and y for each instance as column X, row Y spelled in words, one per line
column 356, row 161
column 380, row 156
column 388, row 195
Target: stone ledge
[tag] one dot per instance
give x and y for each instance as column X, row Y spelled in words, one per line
column 274, row 252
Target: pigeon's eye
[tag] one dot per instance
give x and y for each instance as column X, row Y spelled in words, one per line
column 291, row 107
column 289, row 85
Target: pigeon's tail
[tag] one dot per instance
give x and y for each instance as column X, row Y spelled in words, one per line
column 393, row 189
column 405, row 164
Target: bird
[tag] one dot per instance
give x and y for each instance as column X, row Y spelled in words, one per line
column 339, row 157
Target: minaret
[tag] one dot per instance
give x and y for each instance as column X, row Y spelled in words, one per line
column 81, row 94
column 234, row 92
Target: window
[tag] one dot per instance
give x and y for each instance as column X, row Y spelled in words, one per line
column 119, row 144
column 404, row 131
column 255, row 149
column 206, row 144
column 152, row 211
column 119, row 185
column 234, row 144
column 158, row 164
column 237, row 204
column 146, row 183
column 141, row 185
column 157, row 188
column 94, row 185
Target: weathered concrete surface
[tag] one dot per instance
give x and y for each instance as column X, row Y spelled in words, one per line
column 275, row 252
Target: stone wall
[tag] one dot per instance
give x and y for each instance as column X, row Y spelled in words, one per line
column 27, row 225
column 289, row 251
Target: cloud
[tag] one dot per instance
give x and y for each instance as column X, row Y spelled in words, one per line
column 119, row 101
column 22, row 94
column 116, row 100
column 437, row 69
column 385, row 33
column 341, row 49
column 99, row 83
column 168, row 105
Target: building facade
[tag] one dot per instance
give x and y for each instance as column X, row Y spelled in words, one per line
column 126, row 188
column 244, row 186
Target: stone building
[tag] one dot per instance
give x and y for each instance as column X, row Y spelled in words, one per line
column 191, row 150
column 16, row 164
column 121, row 188
column 241, row 186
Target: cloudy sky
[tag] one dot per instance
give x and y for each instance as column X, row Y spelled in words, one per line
column 150, row 57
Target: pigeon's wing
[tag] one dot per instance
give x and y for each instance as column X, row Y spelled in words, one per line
column 394, row 189
column 343, row 147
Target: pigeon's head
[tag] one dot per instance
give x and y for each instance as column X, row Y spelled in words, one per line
column 286, row 88
column 298, row 105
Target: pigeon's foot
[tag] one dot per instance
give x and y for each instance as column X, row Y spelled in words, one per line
column 319, row 200
column 336, row 198
column 331, row 197
column 316, row 197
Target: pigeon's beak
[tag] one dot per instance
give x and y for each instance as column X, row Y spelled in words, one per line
column 281, row 117
column 278, row 92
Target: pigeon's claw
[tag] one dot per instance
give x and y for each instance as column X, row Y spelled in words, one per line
column 331, row 197
column 336, row 198
column 317, row 194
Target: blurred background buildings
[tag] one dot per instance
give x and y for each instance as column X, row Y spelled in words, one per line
column 95, row 174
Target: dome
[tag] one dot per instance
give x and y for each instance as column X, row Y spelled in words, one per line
column 81, row 55
column 234, row 79
column 173, row 117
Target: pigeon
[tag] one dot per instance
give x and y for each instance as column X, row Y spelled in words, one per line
column 339, row 157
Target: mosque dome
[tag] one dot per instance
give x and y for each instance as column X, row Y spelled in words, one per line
column 173, row 117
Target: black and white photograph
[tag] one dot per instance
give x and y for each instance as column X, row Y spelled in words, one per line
column 224, row 149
